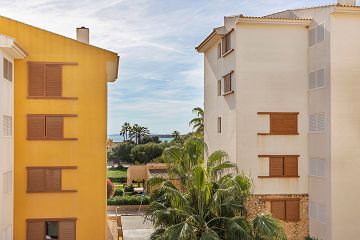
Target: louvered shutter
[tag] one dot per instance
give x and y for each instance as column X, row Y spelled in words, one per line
column 283, row 123
column 36, row 180
column 5, row 68
column 54, row 127
column 292, row 210
column 228, row 42
column 223, row 46
column 276, row 166
column 10, row 72
column 36, row 79
column 291, row 166
column 227, row 83
column 67, row 230
column 278, row 209
column 53, row 180
column 312, row 37
column 53, row 84
column 320, row 33
column 35, row 230
column 36, row 127
column 219, row 88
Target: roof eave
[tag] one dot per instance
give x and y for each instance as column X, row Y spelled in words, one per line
column 266, row 20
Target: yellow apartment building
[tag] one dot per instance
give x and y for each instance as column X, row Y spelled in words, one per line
column 60, row 119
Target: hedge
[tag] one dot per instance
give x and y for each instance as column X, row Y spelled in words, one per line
column 128, row 200
column 118, row 179
column 118, row 192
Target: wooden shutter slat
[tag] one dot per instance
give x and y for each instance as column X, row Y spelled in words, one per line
column 219, row 88
column 35, row 230
column 276, row 166
column 227, row 83
column 10, row 71
column 36, row 79
column 278, row 209
column 228, row 42
column 53, row 83
column 291, row 166
column 6, row 69
column 36, row 180
column 67, row 230
column 54, row 127
column 283, row 123
column 292, row 210
column 53, row 180
column 36, row 127
column 223, row 45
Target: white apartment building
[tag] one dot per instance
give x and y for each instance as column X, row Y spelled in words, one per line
column 282, row 97
column 9, row 51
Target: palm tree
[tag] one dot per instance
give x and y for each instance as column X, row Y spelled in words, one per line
column 176, row 135
column 125, row 129
column 212, row 206
column 137, row 132
column 197, row 123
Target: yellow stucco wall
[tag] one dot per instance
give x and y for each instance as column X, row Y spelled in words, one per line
column 87, row 81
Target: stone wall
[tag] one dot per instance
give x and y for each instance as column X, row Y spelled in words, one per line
column 294, row 230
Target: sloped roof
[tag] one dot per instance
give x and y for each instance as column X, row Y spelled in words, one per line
column 162, row 173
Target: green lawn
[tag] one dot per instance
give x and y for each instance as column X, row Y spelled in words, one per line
column 116, row 173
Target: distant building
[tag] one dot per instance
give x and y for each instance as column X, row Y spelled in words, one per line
column 282, row 98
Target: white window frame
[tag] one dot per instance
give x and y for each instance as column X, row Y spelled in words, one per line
column 315, row 71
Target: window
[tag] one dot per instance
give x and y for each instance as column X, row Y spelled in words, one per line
column 283, row 166
column 317, row 167
column 45, row 179
column 317, row 122
column 7, row 65
column 46, row 127
column 45, row 79
column 317, row 79
column 286, row 210
column 226, row 43
column 219, row 124
column 228, row 83
column 62, row 229
column 316, row 35
column 7, row 182
column 219, row 51
column 7, row 233
column 285, row 123
column 7, row 126
column 219, row 88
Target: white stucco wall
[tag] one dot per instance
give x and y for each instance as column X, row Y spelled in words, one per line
column 345, row 125
column 6, row 149
column 271, row 76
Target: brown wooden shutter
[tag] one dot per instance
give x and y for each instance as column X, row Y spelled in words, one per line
column 35, row 230
column 54, row 127
column 5, row 67
column 10, row 72
column 283, row 123
column 276, row 166
column 223, row 47
column 292, row 210
column 227, row 83
column 36, row 180
column 278, row 209
column 36, row 79
column 53, row 83
column 53, row 180
column 291, row 166
column 219, row 88
column 67, row 230
column 228, row 42
column 36, row 127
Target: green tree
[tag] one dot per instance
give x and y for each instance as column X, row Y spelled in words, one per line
column 125, row 130
column 137, row 132
column 145, row 153
column 212, row 207
column 197, row 123
column 147, row 139
column 121, row 153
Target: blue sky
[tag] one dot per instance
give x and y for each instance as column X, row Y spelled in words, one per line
column 161, row 74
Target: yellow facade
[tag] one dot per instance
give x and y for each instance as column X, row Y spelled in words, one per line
column 88, row 82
